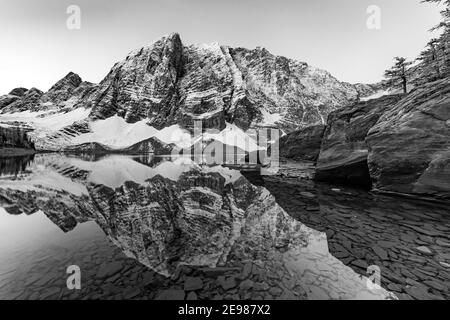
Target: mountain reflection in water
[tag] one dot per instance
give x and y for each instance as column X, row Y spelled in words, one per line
column 182, row 230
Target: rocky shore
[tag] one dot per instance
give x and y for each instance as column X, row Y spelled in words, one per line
column 396, row 144
column 408, row 239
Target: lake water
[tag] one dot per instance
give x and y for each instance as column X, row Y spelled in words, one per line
column 166, row 228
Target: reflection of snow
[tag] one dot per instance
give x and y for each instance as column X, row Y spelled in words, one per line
column 43, row 177
column 114, row 171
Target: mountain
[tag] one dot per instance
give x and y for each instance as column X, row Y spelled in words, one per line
column 169, row 84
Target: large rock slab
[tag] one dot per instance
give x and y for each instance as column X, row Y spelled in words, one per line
column 343, row 154
column 410, row 145
column 303, row 144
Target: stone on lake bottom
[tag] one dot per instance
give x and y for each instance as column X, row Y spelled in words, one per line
column 171, row 294
column 109, row 270
column 192, row 284
column 424, row 250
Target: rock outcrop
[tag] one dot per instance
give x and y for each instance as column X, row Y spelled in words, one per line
column 28, row 101
column 11, row 97
column 19, row 92
column 89, row 147
column 62, row 97
column 303, row 144
column 152, row 145
column 343, row 153
column 410, row 144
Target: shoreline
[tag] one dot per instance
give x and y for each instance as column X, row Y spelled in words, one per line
column 16, row 152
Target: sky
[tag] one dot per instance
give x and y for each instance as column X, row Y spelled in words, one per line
column 37, row 48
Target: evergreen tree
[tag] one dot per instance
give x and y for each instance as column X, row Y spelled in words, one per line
column 438, row 56
column 430, row 70
column 397, row 76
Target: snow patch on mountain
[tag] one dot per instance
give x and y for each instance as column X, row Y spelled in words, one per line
column 270, row 119
column 377, row 95
column 41, row 178
column 45, row 120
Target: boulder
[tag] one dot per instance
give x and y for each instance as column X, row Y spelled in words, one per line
column 303, row 144
column 343, row 153
column 410, row 145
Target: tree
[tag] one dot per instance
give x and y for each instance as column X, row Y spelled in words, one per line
column 442, row 44
column 431, row 64
column 397, row 76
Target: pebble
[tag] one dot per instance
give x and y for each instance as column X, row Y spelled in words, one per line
column 131, row 293
column 227, row 282
column 380, row 252
column 246, row 285
column 192, row 284
column 307, row 194
column 424, row 250
column 246, row 270
column 192, row 296
column 171, row 294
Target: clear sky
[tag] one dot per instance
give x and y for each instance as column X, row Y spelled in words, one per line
column 37, row 48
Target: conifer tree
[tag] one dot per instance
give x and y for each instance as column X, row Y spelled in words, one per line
column 397, row 75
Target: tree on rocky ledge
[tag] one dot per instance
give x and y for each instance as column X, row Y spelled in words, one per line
column 397, row 76
column 437, row 55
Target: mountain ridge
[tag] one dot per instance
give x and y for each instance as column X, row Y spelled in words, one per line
column 168, row 83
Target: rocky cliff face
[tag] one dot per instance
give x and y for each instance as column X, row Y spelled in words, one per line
column 61, row 97
column 410, row 144
column 28, row 101
column 169, row 83
column 303, row 144
column 343, row 153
